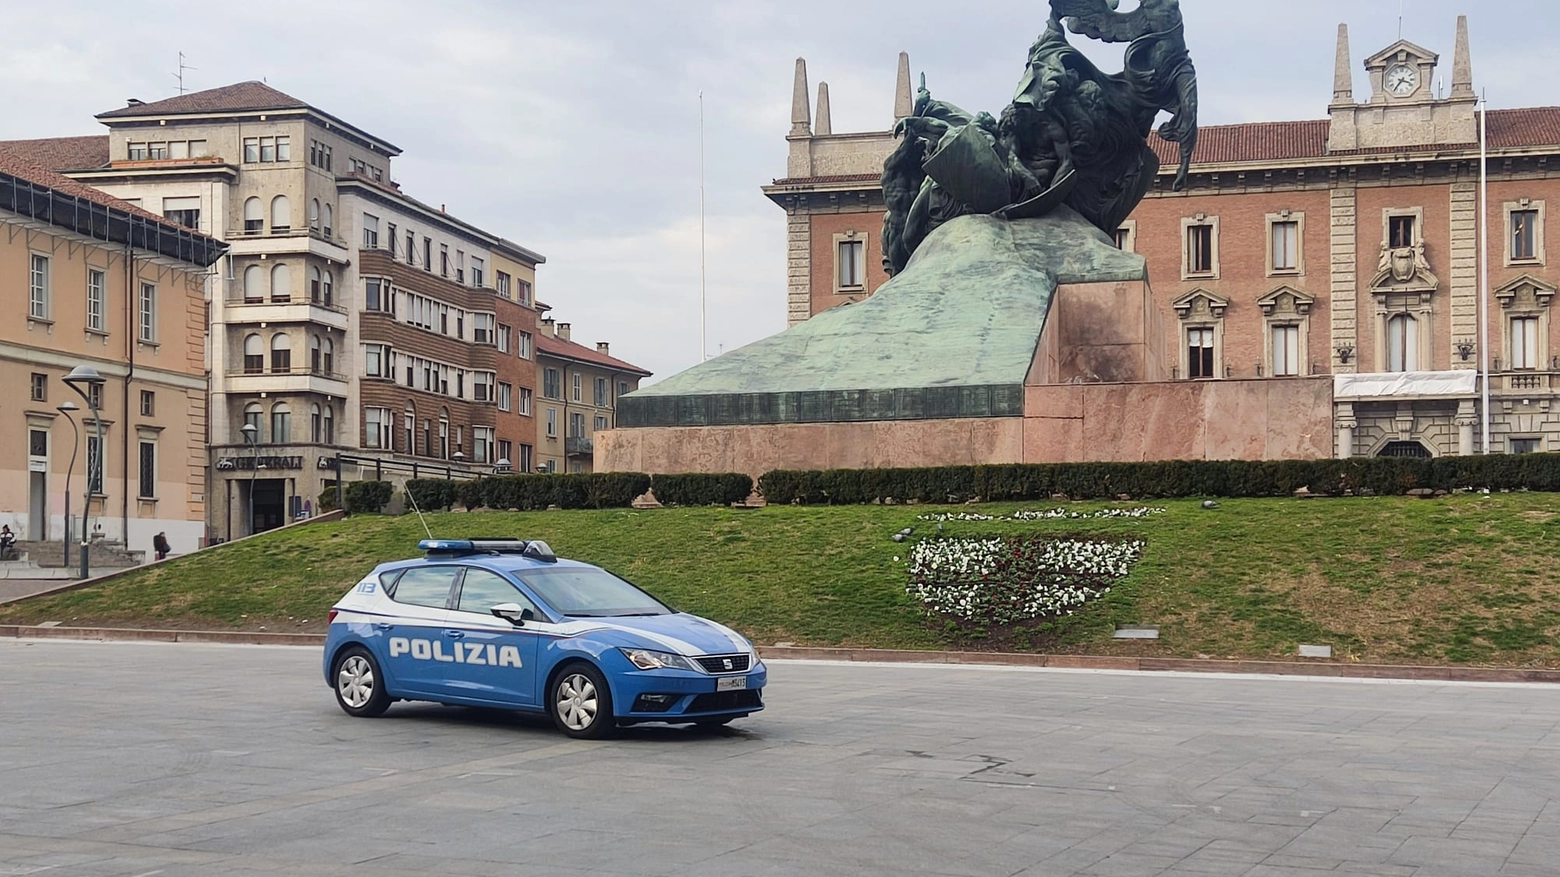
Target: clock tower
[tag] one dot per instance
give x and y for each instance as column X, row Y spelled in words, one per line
column 1407, row 106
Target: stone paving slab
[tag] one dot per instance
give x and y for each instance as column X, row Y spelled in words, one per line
column 127, row 759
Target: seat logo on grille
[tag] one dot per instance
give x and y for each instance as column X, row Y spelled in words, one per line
column 727, row 662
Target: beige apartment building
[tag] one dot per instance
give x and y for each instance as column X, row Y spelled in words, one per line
column 580, row 387
column 95, row 281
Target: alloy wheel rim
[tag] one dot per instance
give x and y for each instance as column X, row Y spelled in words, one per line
column 355, row 681
column 576, row 702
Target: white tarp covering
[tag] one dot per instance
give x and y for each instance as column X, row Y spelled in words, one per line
column 1406, row 385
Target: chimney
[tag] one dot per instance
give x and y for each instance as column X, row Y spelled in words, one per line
column 550, row 327
column 825, row 125
column 1462, row 64
column 135, row 102
column 904, row 96
column 563, row 331
column 603, row 348
column 801, row 113
column 1343, row 71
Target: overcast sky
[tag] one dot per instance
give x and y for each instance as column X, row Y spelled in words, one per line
column 571, row 126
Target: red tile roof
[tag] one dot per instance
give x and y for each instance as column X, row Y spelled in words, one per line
column 61, row 153
column 240, row 97
column 569, row 350
column 18, row 166
column 1527, row 127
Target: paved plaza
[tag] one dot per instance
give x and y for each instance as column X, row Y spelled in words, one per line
column 173, row 760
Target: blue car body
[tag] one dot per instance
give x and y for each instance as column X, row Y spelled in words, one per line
column 458, row 651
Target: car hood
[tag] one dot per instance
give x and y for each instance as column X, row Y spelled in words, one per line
column 683, row 634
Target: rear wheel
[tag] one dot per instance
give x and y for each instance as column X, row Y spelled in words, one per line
column 360, row 687
column 581, row 703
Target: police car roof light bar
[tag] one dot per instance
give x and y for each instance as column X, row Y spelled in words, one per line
column 534, row 549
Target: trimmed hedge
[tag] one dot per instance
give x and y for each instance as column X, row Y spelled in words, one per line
column 702, row 490
column 368, row 497
column 1166, row 480
column 432, row 494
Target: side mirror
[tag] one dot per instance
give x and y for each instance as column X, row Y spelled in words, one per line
column 512, row 613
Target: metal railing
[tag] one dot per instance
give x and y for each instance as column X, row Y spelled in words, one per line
column 332, row 305
column 577, row 446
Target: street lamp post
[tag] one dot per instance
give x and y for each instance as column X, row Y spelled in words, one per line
column 88, row 377
column 66, row 408
column 251, row 433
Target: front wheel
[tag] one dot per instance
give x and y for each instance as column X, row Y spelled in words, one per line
column 360, row 687
column 581, row 703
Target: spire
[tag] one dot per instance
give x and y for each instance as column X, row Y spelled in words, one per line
column 904, row 97
column 801, row 113
column 1343, row 71
column 1462, row 63
column 825, row 125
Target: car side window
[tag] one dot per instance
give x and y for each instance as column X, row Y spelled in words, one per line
column 482, row 590
column 426, row 586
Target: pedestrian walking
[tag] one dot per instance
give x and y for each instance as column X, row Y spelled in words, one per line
column 160, row 542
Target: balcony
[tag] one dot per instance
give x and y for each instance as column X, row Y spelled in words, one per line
column 578, row 446
column 293, row 380
column 1527, row 382
column 248, row 239
column 294, row 310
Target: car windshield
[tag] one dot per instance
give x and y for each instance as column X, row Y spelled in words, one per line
column 591, row 593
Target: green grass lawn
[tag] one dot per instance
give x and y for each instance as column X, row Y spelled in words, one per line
column 1470, row 579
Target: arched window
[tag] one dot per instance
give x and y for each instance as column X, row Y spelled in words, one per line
column 281, row 354
column 330, row 290
column 314, row 285
column 444, row 434
column 411, row 429
column 314, row 215
column 252, row 415
column 253, row 278
column 316, row 424
column 281, row 424
column 281, row 215
column 254, row 216
column 254, row 355
column 314, row 353
column 329, row 214
column 330, row 357
column 1402, row 344
column 281, row 284
column 330, row 425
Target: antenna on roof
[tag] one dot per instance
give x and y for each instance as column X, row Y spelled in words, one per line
column 180, row 75
column 1402, row 4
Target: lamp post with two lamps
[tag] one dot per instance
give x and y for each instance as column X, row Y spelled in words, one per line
column 251, row 438
column 66, row 408
column 85, row 376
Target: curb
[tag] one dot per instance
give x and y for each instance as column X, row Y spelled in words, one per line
column 886, row 656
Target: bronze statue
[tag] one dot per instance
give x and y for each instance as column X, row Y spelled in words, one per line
column 1072, row 135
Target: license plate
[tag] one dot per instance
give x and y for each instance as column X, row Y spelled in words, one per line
column 730, row 683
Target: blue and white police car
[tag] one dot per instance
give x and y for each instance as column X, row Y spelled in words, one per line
column 507, row 624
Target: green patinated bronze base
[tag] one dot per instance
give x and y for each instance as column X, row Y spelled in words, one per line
column 953, row 336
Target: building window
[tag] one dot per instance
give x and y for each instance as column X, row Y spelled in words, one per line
column 252, row 414
column 147, row 482
column 370, row 232
column 314, row 353
column 254, row 216
column 552, row 423
column 148, row 403
column 314, row 285
column 254, row 355
column 427, row 254
column 505, row 454
column 411, row 248
column 97, row 300
column 622, row 389
column 390, row 238
column 377, row 423
column 1199, row 249
column 444, row 260
column 330, row 425
column 1402, row 344
column 329, row 220
column 601, row 424
column 314, row 215
column 136, row 151
column 375, row 361
column 183, row 211
column 578, row 387
column 251, row 150
column 852, row 264
column 95, row 397
column 525, row 291
column 523, row 347
column 478, row 273
column 281, row 354
column 1199, row 353
column 1286, row 351
column 40, row 387
column 482, row 386
column 1525, row 350
column 95, row 465
column 552, row 383
column 503, row 337
column 524, row 409
column 281, row 424
column 1525, row 236
column 603, row 395
column 1400, row 231
column 576, row 426
column 281, row 284
column 527, row 461
column 148, row 312
column 372, row 291
column 330, row 290
column 506, row 397
column 482, row 328
column 1527, row 445
column 316, row 424
column 481, row 444
column 460, row 266
column 38, row 288
column 501, row 283
column 281, row 215
column 1286, row 246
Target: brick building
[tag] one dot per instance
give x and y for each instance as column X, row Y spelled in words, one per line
column 580, row 388
column 1340, row 246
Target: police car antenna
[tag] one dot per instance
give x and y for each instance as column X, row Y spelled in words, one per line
column 411, row 497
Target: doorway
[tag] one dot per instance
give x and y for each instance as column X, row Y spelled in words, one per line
column 270, row 504
column 37, row 486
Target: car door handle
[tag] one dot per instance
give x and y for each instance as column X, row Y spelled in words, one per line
column 383, row 626
column 454, row 634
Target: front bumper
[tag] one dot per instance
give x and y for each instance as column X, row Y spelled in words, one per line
column 681, row 695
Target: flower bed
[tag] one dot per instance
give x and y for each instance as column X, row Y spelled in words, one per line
column 1045, row 515
column 1006, row 580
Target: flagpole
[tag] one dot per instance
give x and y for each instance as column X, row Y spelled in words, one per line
column 704, row 343
column 1484, row 266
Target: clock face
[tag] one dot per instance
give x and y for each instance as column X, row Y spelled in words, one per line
column 1402, row 80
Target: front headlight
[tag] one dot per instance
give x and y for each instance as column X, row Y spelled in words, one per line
column 645, row 659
